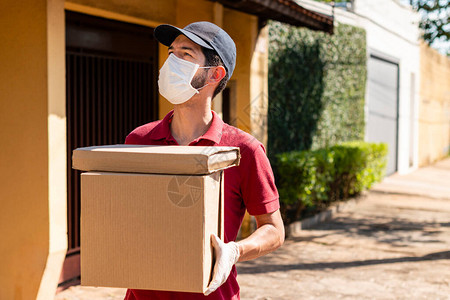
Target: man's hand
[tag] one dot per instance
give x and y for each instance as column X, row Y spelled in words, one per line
column 226, row 256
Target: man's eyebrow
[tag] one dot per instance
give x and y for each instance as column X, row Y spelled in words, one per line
column 184, row 48
column 187, row 48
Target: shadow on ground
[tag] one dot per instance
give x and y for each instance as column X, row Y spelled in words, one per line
column 266, row 268
column 393, row 231
column 398, row 232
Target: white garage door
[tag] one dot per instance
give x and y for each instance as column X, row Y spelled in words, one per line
column 383, row 78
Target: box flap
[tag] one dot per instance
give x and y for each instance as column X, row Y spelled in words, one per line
column 155, row 159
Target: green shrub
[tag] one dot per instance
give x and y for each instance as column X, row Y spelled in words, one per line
column 308, row 181
column 317, row 84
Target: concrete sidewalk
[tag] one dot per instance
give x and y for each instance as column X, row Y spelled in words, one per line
column 394, row 244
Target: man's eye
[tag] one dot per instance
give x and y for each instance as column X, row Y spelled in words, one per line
column 187, row 54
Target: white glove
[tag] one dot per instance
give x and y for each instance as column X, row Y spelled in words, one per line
column 226, row 256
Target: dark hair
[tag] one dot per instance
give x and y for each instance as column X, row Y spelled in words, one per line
column 213, row 59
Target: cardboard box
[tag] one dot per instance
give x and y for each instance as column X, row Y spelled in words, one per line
column 155, row 159
column 151, row 231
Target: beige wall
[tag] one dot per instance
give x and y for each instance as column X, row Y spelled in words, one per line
column 233, row 23
column 434, row 107
column 29, row 181
column 56, row 128
column 133, row 11
column 259, row 88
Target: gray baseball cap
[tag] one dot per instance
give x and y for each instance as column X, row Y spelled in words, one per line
column 205, row 34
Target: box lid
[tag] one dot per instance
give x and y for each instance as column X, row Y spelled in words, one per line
column 155, row 159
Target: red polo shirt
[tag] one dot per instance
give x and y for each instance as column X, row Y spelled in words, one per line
column 249, row 186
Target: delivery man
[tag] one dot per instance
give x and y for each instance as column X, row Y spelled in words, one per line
column 201, row 60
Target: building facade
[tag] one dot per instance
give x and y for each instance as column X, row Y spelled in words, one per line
column 84, row 72
column 393, row 56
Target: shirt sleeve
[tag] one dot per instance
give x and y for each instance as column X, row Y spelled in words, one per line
column 258, row 188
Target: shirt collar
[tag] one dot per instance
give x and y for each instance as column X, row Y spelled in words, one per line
column 214, row 133
column 162, row 130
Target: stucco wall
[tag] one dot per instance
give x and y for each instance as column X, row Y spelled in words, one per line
column 28, row 259
column 155, row 10
column 234, row 22
column 259, row 93
column 434, row 116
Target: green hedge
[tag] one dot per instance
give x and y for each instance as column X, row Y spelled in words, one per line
column 308, row 181
column 316, row 87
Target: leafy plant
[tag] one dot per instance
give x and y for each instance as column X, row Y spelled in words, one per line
column 311, row 180
column 316, row 87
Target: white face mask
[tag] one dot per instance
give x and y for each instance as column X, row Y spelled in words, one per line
column 175, row 78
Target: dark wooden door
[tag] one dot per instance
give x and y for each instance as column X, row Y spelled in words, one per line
column 111, row 78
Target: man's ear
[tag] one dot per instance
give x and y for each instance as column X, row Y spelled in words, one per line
column 218, row 74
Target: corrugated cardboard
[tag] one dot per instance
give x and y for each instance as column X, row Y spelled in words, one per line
column 150, row 231
column 163, row 159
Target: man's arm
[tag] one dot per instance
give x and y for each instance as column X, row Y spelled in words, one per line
column 268, row 236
